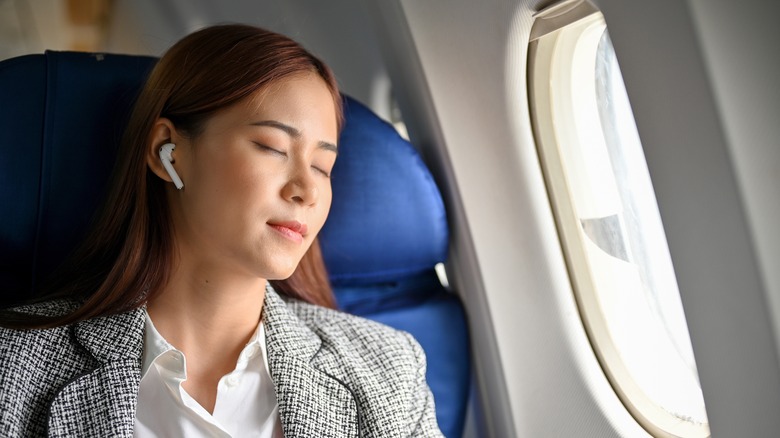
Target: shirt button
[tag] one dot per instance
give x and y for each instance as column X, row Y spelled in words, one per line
column 231, row 381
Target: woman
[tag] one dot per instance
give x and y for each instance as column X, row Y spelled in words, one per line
column 164, row 323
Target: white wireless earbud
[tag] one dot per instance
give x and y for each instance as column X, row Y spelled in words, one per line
column 166, row 158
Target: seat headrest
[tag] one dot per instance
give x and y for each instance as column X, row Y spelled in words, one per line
column 60, row 123
column 387, row 220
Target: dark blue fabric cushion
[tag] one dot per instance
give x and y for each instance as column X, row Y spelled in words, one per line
column 387, row 219
column 61, row 118
column 21, row 116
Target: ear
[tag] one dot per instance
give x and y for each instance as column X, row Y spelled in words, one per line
column 163, row 131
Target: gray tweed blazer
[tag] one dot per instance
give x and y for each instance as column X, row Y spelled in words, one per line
column 335, row 375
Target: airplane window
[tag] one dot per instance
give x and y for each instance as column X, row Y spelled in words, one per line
column 609, row 222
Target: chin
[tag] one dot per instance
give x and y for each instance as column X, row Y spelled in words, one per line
column 281, row 267
column 280, row 273
column 279, row 277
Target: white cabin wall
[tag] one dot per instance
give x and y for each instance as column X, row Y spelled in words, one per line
column 338, row 31
column 740, row 46
column 704, row 149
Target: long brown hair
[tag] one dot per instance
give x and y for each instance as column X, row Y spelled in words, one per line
column 128, row 253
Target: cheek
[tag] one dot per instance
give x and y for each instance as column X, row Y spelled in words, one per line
column 242, row 176
column 326, row 197
column 226, row 190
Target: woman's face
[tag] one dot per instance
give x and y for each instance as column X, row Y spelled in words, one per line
column 257, row 180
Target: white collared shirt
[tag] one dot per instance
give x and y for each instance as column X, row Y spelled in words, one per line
column 246, row 402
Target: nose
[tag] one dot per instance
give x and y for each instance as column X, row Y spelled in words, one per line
column 301, row 188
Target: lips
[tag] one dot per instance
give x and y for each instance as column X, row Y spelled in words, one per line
column 292, row 230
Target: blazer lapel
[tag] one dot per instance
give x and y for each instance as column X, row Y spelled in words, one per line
column 312, row 402
column 101, row 402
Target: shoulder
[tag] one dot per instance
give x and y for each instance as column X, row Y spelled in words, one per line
column 362, row 337
column 33, row 365
column 47, row 308
column 23, row 351
column 26, row 343
column 383, row 367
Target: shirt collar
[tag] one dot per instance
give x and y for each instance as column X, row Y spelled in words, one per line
column 155, row 346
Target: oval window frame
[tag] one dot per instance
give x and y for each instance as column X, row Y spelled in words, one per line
column 581, row 15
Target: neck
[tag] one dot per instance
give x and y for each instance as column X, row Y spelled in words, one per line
column 203, row 309
column 209, row 312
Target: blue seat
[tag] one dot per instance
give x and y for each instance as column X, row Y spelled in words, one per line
column 61, row 118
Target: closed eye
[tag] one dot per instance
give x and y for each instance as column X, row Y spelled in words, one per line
column 321, row 171
column 269, row 149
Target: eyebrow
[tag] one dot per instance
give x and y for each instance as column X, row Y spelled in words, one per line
column 294, row 133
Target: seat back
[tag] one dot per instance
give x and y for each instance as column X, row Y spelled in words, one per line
column 61, row 119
